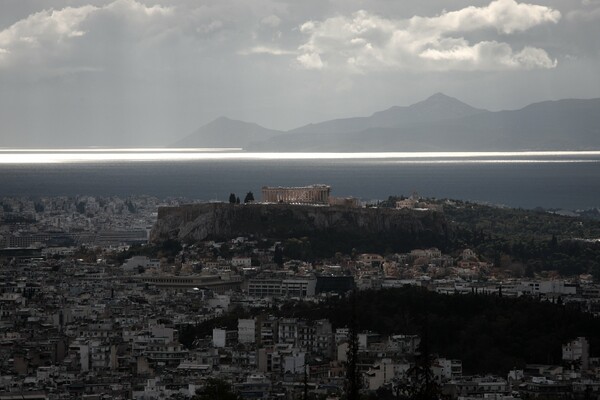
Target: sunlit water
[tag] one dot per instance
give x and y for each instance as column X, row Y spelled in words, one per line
column 46, row 156
column 524, row 179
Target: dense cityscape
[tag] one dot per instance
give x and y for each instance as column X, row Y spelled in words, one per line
column 299, row 200
column 90, row 309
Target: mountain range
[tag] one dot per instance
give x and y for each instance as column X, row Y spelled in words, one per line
column 439, row 123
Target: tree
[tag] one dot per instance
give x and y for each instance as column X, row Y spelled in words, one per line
column 237, row 200
column 297, row 249
column 232, row 198
column 278, row 256
column 249, row 197
column 39, row 207
column 553, row 244
column 225, row 251
column 421, row 384
column 169, row 249
column 353, row 376
column 595, row 271
column 216, row 389
column 130, row 206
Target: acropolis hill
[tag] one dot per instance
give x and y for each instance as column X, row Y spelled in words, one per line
column 196, row 222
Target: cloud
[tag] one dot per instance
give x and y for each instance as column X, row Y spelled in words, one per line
column 506, row 16
column 272, row 21
column 123, row 35
column 210, row 27
column 489, row 56
column 49, row 37
column 364, row 41
column 45, row 26
column 310, row 61
column 274, row 51
column 584, row 15
column 137, row 9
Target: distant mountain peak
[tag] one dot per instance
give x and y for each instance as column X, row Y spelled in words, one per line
column 440, row 96
column 222, row 118
column 226, row 132
column 230, row 123
column 439, row 122
column 444, row 106
column 225, row 120
column 434, row 108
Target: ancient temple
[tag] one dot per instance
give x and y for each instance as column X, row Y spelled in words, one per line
column 313, row 194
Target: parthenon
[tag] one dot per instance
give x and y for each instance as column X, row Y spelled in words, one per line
column 313, row 194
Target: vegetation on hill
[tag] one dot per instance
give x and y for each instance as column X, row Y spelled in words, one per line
column 518, row 223
column 525, row 242
column 522, row 242
column 323, row 230
column 490, row 334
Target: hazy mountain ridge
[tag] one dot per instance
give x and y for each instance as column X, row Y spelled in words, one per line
column 435, row 108
column 436, row 124
column 225, row 132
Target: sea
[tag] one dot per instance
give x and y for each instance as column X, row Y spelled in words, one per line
column 568, row 180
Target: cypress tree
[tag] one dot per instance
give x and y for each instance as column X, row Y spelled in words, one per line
column 353, row 381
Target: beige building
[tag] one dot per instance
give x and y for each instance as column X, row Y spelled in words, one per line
column 313, row 194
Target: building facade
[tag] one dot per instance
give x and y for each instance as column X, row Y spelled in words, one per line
column 313, row 194
column 293, row 287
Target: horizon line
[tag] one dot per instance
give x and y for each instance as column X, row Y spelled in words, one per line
column 70, row 156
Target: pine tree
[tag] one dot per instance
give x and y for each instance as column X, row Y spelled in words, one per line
column 278, row 256
column 353, row 381
column 232, row 198
column 422, row 385
column 249, row 197
column 216, row 389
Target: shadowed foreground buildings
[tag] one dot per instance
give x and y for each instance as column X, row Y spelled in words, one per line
column 71, row 329
column 78, row 322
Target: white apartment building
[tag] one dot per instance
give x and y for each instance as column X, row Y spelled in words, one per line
column 577, row 350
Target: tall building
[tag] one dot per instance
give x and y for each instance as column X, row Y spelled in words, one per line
column 246, row 330
column 577, row 350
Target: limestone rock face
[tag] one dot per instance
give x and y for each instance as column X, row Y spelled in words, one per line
column 197, row 222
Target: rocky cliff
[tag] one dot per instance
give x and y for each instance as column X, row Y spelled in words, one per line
column 192, row 223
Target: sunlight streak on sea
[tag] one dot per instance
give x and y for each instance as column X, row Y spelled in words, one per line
column 98, row 155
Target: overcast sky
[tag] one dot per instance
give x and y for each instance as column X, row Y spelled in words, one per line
column 150, row 72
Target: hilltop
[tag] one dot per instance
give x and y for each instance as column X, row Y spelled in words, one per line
column 330, row 229
column 225, row 132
